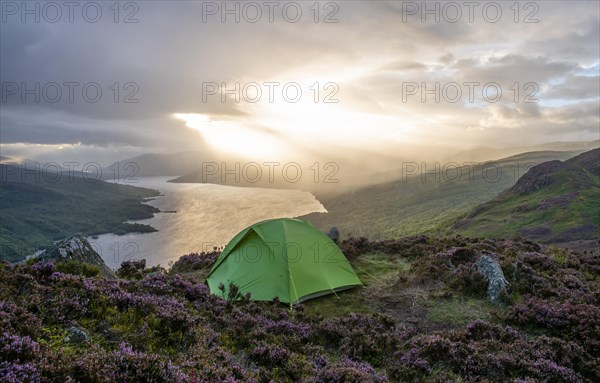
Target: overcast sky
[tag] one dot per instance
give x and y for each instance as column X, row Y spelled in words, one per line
column 372, row 57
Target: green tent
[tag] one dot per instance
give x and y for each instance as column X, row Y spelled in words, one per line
column 285, row 258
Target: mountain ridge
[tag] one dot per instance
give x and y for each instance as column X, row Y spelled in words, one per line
column 555, row 201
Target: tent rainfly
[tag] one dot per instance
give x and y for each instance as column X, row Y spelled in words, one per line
column 285, row 258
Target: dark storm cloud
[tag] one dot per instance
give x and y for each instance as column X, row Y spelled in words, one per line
column 47, row 126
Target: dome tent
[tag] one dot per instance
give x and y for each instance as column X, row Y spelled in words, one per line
column 285, row 258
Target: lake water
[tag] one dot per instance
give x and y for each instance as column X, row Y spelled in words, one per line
column 206, row 216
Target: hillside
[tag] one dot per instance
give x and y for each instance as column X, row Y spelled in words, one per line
column 38, row 207
column 553, row 202
column 423, row 203
column 590, row 161
column 423, row 316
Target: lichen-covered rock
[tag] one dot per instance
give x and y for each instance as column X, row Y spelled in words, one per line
column 76, row 248
column 76, row 335
column 492, row 272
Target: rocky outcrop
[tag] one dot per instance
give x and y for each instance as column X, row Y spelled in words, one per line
column 492, row 272
column 544, row 174
column 76, row 248
column 538, row 177
column 590, row 161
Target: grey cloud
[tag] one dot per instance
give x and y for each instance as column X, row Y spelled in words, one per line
column 512, row 68
column 585, row 112
column 171, row 52
column 47, row 126
column 574, row 87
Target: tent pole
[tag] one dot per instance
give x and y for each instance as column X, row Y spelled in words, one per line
column 333, row 291
column 294, row 287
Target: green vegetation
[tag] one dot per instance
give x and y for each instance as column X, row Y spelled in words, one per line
column 390, row 284
column 556, row 202
column 376, row 271
column 458, row 311
column 78, row 268
column 39, row 210
column 567, row 209
column 343, row 303
column 430, row 203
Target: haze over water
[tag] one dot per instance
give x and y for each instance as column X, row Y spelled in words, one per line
column 206, row 215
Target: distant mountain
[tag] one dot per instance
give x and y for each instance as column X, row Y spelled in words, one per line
column 553, row 202
column 158, row 164
column 234, row 173
column 430, row 202
column 27, row 163
column 38, row 207
column 482, row 154
column 145, row 165
column 317, row 171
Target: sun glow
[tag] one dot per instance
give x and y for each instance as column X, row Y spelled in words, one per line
column 325, row 116
column 231, row 136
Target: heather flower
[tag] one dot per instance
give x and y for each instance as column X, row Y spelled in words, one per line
column 14, row 347
column 19, row 372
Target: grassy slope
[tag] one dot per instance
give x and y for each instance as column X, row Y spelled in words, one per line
column 412, row 301
column 416, row 205
column 571, row 202
column 38, row 211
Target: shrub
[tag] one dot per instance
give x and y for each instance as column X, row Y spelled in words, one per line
column 194, row 261
column 132, row 269
column 78, row 268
